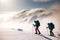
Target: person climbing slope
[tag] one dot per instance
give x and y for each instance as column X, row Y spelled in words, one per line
column 51, row 27
column 36, row 25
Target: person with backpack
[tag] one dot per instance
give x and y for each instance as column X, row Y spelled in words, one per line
column 51, row 27
column 36, row 25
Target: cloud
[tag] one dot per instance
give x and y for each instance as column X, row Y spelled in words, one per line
column 37, row 13
column 32, row 14
column 45, row 15
column 41, row 0
column 11, row 5
column 55, row 8
column 21, row 14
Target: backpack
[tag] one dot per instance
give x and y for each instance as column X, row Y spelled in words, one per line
column 52, row 25
column 37, row 23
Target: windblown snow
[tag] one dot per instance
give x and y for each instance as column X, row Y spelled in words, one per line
column 24, row 19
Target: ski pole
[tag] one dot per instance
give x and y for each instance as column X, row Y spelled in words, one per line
column 47, row 30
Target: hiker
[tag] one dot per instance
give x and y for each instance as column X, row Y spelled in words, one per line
column 51, row 27
column 36, row 25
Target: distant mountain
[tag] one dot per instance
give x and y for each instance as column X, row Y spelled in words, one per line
column 32, row 14
column 37, row 13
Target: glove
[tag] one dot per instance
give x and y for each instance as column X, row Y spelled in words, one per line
column 33, row 25
column 46, row 27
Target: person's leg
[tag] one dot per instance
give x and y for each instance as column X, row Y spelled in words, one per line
column 51, row 33
column 36, row 30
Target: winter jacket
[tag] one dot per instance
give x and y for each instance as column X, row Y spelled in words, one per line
column 51, row 26
column 37, row 23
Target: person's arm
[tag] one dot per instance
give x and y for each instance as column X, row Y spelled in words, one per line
column 46, row 27
column 33, row 25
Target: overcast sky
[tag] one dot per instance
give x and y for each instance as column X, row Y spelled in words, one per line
column 16, row 5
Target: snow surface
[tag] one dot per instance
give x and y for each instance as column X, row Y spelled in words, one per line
column 14, row 34
column 26, row 33
column 18, row 26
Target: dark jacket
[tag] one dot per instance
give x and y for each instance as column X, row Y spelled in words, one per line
column 37, row 23
column 51, row 26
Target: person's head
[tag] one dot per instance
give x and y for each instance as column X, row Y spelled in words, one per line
column 48, row 23
column 51, row 23
column 35, row 21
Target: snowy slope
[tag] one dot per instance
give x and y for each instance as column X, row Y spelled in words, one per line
column 23, row 35
column 24, row 20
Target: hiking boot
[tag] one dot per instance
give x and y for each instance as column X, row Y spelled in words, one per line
column 39, row 33
column 52, row 34
column 35, row 33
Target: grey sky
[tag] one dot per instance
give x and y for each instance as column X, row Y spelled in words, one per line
column 16, row 5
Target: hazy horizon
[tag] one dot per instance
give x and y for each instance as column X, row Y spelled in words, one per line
column 13, row 12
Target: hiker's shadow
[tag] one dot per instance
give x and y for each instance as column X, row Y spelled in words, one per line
column 45, row 37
